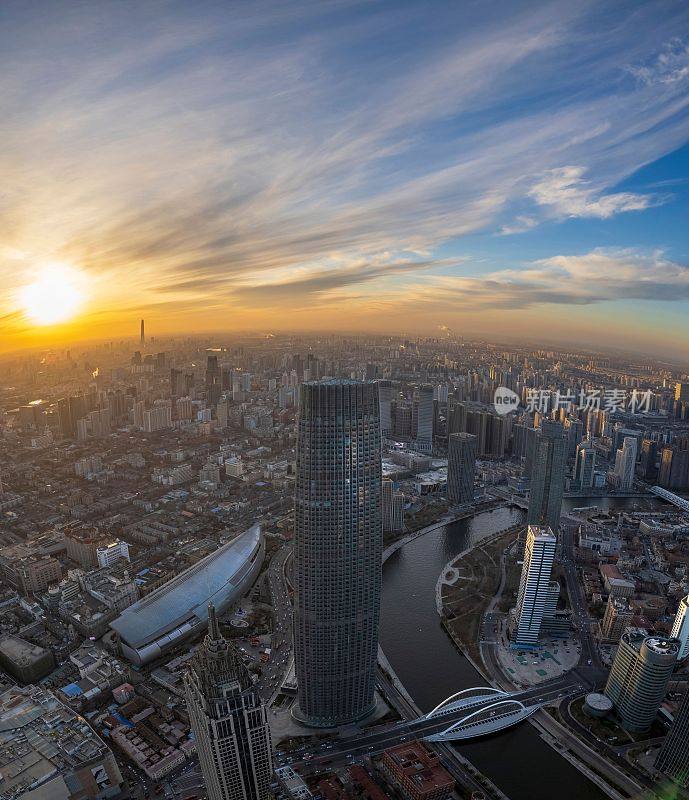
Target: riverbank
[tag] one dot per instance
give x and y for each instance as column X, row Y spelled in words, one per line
column 466, row 588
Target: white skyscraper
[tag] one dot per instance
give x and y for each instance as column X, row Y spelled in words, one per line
column 625, row 462
column 680, row 629
column 535, row 596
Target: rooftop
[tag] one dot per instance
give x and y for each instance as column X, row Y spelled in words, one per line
column 186, row 596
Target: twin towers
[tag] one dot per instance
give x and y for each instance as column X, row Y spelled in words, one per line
column 338, row 543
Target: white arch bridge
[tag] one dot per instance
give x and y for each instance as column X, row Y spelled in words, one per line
column 482, row 710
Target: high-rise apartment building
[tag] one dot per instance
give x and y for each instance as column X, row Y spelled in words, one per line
column 625, row 462
column 337, row 551
column 673, row 758
column 157, row 418
column 617, row 618
column 229, row 721
column 639, row 677
column 680, row 627
column 535, row 592
column 547, row 479
column 461, row 467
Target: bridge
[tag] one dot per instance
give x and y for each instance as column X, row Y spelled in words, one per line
column 491, row 713
column 464, row 715
column 675, row 499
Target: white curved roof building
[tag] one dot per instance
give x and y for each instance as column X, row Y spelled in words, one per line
column 179, row 608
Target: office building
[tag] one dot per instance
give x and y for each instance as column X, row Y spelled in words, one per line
column 111, row 553
column 639, row 677
column 534, row 599
column 673, row 758
column 461, row 467
column 584, row 465
column 142, row 336
column 337, row 551
column 680, row 627
column 386, row 393
column 422, row 418
column 682, row 392
column 229, row 721
column 393, row 508
column 547, row 479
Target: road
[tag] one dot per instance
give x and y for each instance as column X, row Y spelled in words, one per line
column 281, row 639
column 366, row 743
column 577, row 600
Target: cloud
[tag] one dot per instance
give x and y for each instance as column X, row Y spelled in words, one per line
column 598, row 276
column 288, row 151
column 669, row 66
column 321, row 284
column 521, row 224
column 564, row 191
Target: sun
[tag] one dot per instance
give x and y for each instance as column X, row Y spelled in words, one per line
column 55, row 295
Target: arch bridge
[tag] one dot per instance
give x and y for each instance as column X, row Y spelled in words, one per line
column 480, row 711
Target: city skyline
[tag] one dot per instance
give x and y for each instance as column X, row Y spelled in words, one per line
column 275, row 168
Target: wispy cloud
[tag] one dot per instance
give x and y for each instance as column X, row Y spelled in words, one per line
column 565, row 191
column 598, row 276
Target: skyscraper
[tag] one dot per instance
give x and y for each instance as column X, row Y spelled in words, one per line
column 386, row 390
column 625, row 461
column 584, row 465
column 142, row 338
column 535, row 594
column 461, row 467
column 547, row 479
column 337, row 551
column 673, row 758
column 422, row 417
column 639, row 676
column 680, row 628
column 229, row 721
column 393, row 508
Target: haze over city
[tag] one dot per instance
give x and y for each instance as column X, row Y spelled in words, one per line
column 349, row 166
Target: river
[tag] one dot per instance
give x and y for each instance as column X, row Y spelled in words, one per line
column 431, row 668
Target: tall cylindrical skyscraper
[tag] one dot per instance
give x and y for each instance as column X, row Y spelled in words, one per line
column 338, row 543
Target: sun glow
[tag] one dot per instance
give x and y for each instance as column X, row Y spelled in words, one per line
column 55, row 295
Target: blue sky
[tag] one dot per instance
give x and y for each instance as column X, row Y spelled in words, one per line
column 502, row 170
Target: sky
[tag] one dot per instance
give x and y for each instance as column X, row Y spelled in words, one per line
column 511, row 170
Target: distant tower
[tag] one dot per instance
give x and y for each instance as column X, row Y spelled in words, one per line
column 461, row 466
column 143, row 335
column 229, row 721
column 536, row 595
column 639, row 676
column 673, row 758
column 338, row 542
